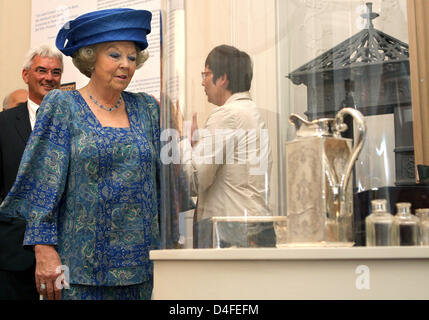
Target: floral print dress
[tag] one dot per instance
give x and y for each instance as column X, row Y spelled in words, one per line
column 92, row 191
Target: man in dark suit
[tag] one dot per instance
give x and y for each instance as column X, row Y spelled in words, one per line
column 41, row 72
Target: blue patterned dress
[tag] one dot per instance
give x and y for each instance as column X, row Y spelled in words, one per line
column 92, row 191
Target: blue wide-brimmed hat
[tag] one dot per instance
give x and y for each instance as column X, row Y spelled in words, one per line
column 105, row 26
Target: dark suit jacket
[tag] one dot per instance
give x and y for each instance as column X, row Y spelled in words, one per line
column 15, row 129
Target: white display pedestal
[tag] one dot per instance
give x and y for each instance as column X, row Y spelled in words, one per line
column 292, row 273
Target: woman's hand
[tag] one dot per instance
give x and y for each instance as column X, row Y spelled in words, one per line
column 47, row 271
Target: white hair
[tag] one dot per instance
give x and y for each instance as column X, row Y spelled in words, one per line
column 42, row 51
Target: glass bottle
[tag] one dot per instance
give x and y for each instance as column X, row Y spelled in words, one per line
column 379, row 225
column 405, row 226
column 423, row 215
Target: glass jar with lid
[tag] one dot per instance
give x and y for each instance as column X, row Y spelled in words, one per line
column 379, row 225
column 405, row 226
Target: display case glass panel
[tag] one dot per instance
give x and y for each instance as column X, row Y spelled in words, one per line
column 309, row 58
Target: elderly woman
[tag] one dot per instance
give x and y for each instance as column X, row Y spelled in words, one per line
column 88, row 183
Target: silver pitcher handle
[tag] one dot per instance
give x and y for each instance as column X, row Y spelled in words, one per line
column 298, row 121
column 359, row 120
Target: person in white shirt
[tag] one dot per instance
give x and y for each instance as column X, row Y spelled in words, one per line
column 42, row 72
column 229, row 167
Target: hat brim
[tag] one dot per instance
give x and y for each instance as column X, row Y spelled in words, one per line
column 130, row 25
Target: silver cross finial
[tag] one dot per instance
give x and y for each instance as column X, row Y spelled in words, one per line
column 369, row 16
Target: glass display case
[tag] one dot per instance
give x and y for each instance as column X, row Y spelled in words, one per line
column 224, row 177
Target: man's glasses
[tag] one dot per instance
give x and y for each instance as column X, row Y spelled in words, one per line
column 56, row 73
column 204, row 74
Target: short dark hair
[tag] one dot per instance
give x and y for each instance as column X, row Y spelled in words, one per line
column 236, row 64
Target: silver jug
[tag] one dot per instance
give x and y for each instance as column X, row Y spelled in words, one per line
column 319, row 171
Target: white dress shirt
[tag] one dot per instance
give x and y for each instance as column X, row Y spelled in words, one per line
column 229, row 169
column 32, row 109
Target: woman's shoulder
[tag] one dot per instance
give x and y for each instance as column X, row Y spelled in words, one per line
column 144, row 97
column 58, row 97
column 57, row 94
column 56, row 101
column 146, row 102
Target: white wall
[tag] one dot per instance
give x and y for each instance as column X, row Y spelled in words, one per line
column 15, row 22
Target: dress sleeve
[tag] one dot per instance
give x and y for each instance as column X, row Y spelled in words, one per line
column 42, row 174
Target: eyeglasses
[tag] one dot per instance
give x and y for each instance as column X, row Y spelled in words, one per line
column 43, row 72
column 204, row 74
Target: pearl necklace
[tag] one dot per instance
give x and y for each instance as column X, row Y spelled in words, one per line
column 116, row 106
